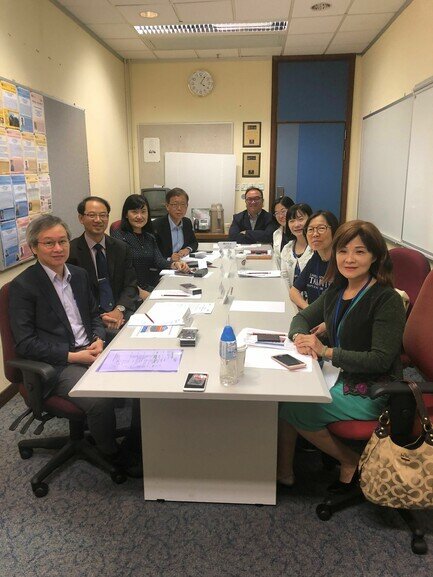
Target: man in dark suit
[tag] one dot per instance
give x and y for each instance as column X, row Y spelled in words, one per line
column 253, row 225
column 174, row 234
column 54, row 318
column 108, row 262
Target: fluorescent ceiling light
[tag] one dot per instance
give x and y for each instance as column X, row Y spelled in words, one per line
column 280, row 26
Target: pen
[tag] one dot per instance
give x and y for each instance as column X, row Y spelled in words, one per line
column 153, row 322
column 273, row 334
column 175, row 296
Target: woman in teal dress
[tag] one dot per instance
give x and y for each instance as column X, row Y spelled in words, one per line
column 365, row 320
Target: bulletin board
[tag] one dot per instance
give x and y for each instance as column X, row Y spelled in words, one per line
column 43, row 165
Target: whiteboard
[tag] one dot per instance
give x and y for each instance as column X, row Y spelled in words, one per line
column 207, row 178
column 418, row 210
column 384, row 165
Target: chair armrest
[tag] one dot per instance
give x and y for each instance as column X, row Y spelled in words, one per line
column 397, row 388
column 44, row 370
column 35, row 375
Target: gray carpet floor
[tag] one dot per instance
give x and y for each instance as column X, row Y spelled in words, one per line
column 88, row 526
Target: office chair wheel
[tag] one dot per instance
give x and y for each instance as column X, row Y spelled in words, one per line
column 26, row 453
column 40, row 489
column 118, row 477
column 418, row 545
column 324, row 512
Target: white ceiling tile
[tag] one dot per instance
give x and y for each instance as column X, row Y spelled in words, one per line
column 218, row 53
column 314, row 25
column 247, row 11
column 94, row 15
column 304, row 40
column 302, row 8
column 302, row 51
column 354, row 36
column 170, row 54
column 166, row 14
column 355, row 47
column 375, row 6
column 205, row 12
column 132, row 2
column 113, row 30
column 261, row 51
column 127, row 44
column 137, row 55
column 365, row 22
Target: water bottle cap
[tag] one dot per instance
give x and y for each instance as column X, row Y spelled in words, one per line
column 228, row 334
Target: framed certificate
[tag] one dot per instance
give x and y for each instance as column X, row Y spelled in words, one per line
column 251, row 164
column 252, row 135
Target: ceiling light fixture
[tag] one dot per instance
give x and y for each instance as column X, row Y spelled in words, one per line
column 279, row 26
column 320, row 6
column 149, row 14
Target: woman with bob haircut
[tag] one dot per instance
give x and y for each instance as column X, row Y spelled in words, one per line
column 365, row 319
column 296, row 253
column 136, row 230
column 319, row 231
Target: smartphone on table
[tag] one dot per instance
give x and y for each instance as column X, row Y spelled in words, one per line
column 195, row 382
column 291, row 363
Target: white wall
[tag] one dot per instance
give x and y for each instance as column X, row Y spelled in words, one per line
column 42, row 48
column 401, row 58
column 159, row 94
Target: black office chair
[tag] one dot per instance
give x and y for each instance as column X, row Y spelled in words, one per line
column 417, row 339
column 29, row 378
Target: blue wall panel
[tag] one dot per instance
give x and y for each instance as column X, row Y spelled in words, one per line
column 287, row 158
column 312, row 91
column 320, row 165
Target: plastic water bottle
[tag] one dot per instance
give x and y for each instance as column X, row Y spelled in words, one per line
column 228, row 354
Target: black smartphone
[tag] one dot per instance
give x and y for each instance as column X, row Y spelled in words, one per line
column 289, row 362
column 269, row 338
column 195, row 382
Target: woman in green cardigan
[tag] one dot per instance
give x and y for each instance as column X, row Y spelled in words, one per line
column 365, row 320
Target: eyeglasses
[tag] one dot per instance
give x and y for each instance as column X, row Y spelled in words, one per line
column 52, row 243
column 282, row 212
column 254, row 199
column 178, row 204
column 321, row 229
column 95, row 215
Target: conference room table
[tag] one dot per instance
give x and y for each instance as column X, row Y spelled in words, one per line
column 219, row 445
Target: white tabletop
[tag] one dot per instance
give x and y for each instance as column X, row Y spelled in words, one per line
column 255, row 384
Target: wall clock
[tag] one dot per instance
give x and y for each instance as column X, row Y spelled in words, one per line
column 200, row 83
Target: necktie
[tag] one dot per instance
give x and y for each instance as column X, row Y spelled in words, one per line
column 106, row 299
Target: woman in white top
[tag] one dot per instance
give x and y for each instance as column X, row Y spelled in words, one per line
column 296, row 253
column 279, row 211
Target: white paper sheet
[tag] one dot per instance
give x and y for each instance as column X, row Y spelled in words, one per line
column 172, row 294
column 258, row 306
column 156, row 332
column 261, row 358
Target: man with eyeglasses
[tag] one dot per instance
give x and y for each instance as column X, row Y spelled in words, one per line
column 108, row 262
column 174, row 233
column 253, row 225
column 54, row 319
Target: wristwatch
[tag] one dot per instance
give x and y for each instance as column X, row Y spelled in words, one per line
column 120, row 308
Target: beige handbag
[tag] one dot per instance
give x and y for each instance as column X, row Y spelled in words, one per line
column 399, row 477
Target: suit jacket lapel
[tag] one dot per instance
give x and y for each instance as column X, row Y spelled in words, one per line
column 110, row 249
column 168, row 236
column 48, row 290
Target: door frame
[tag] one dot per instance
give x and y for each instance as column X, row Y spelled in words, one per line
column 276, row 60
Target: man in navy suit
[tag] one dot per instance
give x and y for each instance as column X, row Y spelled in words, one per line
column 253, row 225
column 174, row 234
column 55, row 319
column 116, row 290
